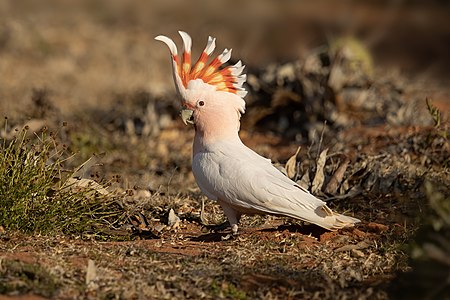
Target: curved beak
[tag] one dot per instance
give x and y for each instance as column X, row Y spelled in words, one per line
column 187, row 115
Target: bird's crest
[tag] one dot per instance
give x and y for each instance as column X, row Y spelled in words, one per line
column 223, row 78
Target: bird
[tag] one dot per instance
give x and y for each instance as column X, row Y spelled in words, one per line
column 225, row 169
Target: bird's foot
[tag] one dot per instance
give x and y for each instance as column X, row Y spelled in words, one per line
column 227, row 237
column 232, row 235
column 234, row 229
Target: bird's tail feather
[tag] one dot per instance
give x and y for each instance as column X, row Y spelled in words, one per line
column 335, row 221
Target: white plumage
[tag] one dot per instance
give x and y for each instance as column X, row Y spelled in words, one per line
column 246, row 183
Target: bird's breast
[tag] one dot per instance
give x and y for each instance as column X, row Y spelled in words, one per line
column 205, row 168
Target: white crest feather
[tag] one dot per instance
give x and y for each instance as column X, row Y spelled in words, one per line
column 210, row 46
column 187, row 41
column 169, row 43
column 225, row 56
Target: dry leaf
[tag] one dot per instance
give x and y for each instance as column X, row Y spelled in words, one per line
column 337, row 178
column 320, row 176
column 291, row 164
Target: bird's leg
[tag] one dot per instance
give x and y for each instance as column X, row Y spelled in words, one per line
column 204, row 221
column 202, row 213
column 233, row 216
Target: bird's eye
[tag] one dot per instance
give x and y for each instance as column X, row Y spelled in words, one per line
column 201, row 103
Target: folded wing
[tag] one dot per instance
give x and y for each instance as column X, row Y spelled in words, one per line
column 248, row 182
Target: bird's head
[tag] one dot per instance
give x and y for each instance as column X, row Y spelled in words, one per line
column 210, row 92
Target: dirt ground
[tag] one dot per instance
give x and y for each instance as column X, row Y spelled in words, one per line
column 351, row 77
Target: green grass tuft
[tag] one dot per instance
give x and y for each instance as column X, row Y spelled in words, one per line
column 35, row 196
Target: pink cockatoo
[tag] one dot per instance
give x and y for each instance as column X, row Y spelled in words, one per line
column 226, row 170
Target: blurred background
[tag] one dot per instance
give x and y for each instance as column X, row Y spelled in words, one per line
column 83, row 53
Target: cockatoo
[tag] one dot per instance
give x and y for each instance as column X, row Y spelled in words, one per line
column 239, row 179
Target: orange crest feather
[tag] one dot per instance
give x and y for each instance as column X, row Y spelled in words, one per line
column 228, row 79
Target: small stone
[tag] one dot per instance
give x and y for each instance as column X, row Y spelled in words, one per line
column 173, row 219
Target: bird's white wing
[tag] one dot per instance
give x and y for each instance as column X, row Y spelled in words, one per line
column 249, row 183
column 244, row 179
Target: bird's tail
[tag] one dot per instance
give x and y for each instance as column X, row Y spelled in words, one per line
column 334, row 221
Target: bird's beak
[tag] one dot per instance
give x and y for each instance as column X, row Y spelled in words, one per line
column 187, row 115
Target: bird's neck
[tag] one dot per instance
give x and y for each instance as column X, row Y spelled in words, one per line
column 217, row 125
column 205, row 139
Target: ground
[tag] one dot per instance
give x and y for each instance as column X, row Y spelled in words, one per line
column 340, row 81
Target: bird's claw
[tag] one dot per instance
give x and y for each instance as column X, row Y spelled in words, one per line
column 234, row 229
